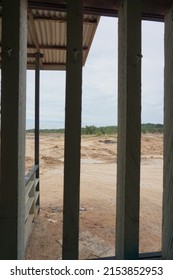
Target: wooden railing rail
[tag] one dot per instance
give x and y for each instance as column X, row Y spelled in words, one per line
column 31, row 198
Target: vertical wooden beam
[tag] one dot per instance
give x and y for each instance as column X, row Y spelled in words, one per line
column 0, row 145
column 72, row 129
column 129, row 130
column 37, row 118
column 167, row 234
column 14, row 54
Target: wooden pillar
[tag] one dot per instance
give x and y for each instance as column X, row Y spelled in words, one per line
column 72, row 129
column 37, row 119
column 167, row 235
column 129, row 130
column 12, row 200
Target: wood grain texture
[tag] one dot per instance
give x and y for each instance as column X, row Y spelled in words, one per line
column 72, row 129
column 14, row 55
column 129, row 131
column 167, row 235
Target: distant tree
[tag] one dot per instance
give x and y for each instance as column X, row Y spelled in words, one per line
column 90, row 129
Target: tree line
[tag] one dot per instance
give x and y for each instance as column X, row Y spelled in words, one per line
column 102, row 130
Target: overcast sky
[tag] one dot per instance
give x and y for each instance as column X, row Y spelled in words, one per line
column 99, row 106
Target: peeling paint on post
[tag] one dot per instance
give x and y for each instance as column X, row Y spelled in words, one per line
column 167, row 234
column 129, row 130
column 72, row 129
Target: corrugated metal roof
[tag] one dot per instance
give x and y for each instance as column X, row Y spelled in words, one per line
column 47, row 26
column 47, row 35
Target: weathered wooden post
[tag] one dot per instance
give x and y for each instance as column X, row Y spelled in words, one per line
column 129, row 129
column 12, row 200
column 167, row 234
column 72, row 129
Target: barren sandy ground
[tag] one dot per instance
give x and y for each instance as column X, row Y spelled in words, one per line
column 98, row 196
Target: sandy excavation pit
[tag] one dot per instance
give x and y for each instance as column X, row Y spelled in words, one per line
column 98, row 196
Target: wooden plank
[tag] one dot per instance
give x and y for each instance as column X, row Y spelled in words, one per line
column 129, row 130
column 28, row 205
column 28, row 188
column 31, row 173
column 72, row 129
column 167, row 233
column 37, row 194
column 152, row 10
column 28, row 227
column 36, row 183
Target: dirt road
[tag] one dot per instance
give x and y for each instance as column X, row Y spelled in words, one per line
column 98, row 196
